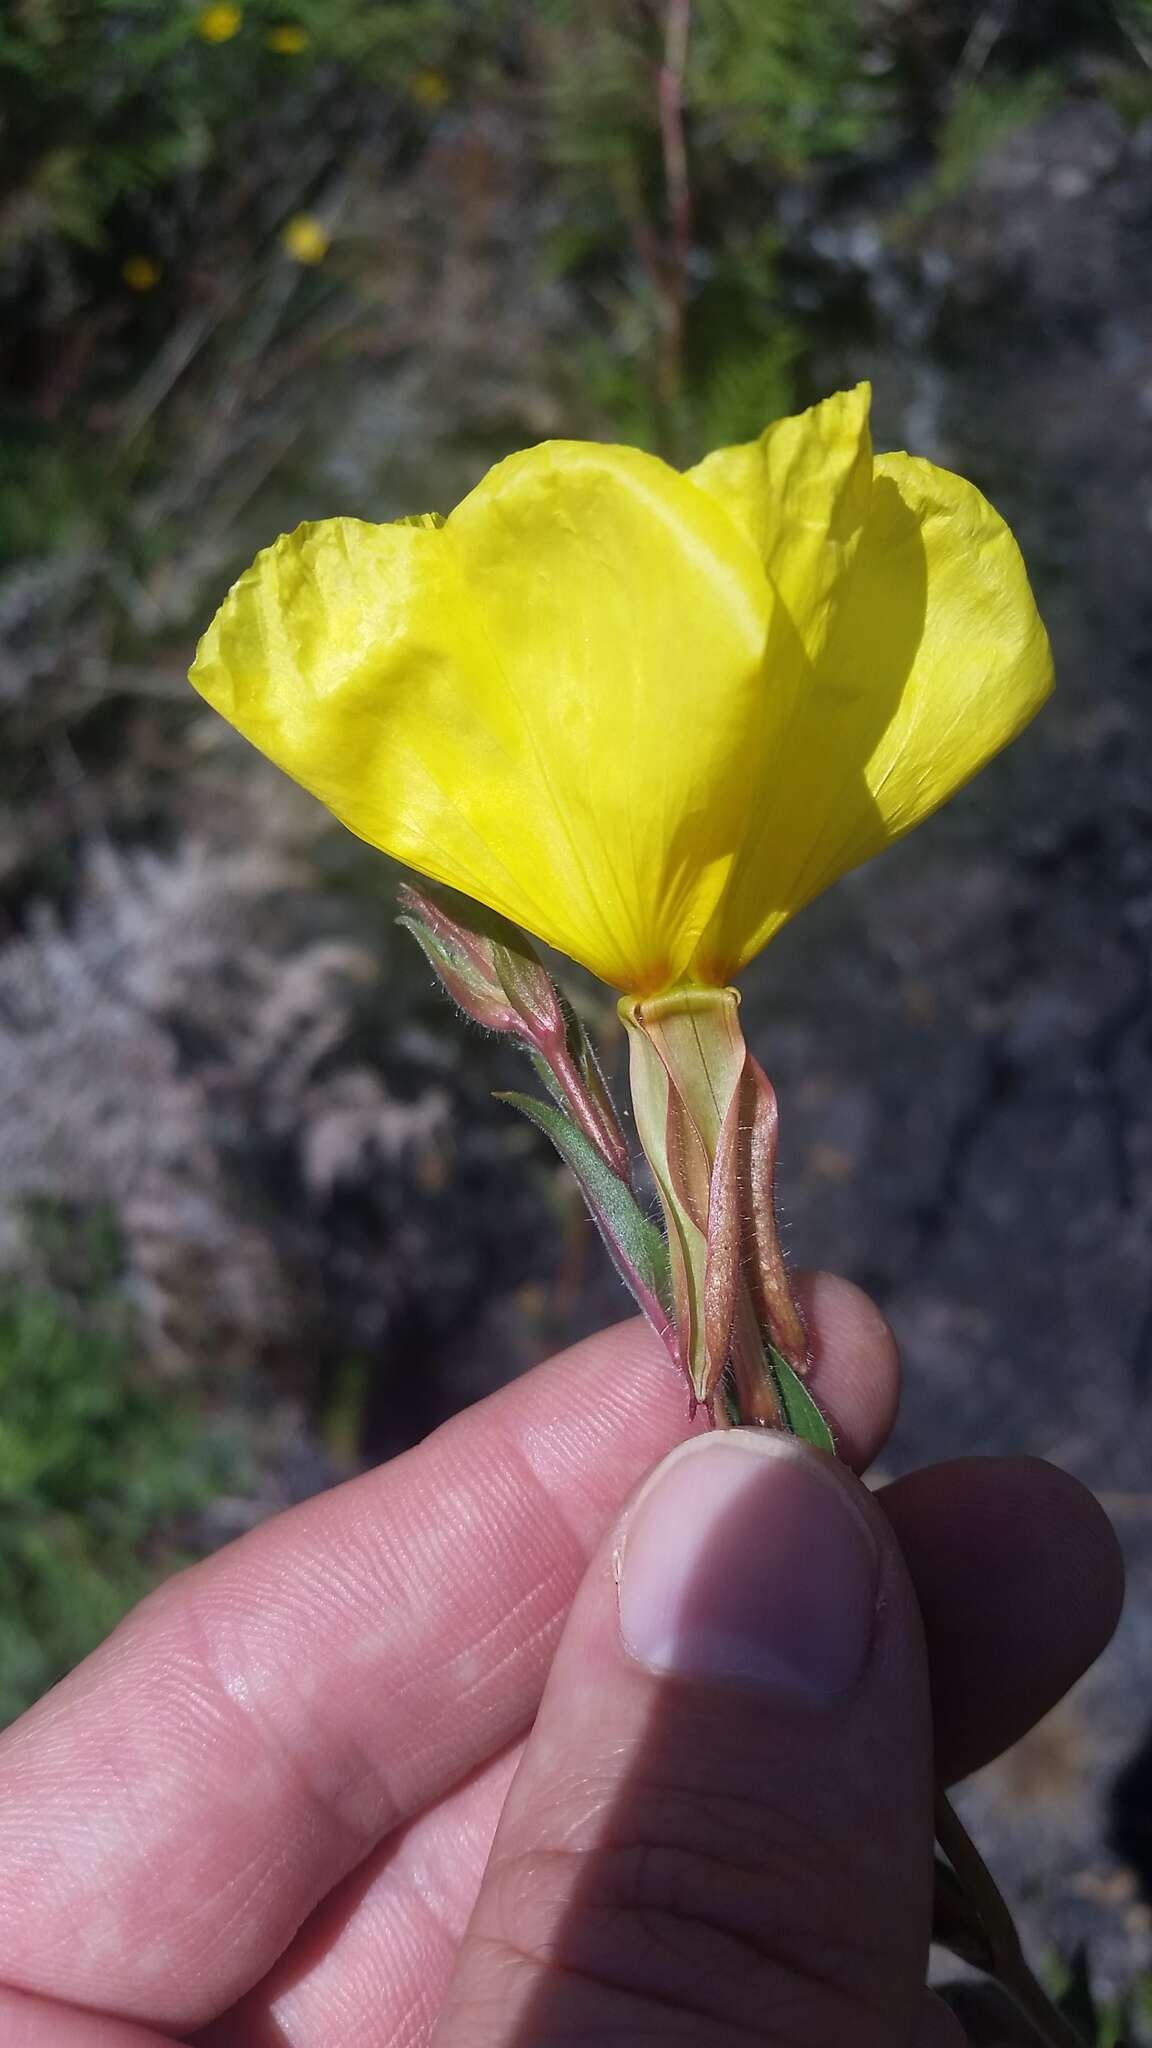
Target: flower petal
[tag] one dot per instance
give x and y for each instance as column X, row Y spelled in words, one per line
column 331, row 649
column 547, row 702
column 629, row 619
column 801, row 493
column 934, row 658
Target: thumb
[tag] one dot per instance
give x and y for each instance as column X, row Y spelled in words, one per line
column 721, row 1828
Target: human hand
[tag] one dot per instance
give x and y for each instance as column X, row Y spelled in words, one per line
column 289, row 1801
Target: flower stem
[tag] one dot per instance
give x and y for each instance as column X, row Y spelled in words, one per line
column 1007, row 1964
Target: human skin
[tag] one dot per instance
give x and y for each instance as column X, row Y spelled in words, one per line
column 295, row 1798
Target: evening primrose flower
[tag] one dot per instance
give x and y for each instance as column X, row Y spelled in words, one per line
column 220, row 23
column 645, row 715
column 305, row 239
column 430, row 89
column 140, row 273
column 288, row 40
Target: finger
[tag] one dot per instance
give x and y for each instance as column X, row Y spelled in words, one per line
column 380, row 1949
column 721, row 1829
column 382, row 1935
column 173, row 1811
column 1020, row 1581
column 937, row 2027
column 27, row 2022
column 855, row 1364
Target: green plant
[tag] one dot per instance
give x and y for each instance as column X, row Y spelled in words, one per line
column 99, row 1468
column 981, row 116
column 106, row 98
column 671, row 128
column 1117, row 2022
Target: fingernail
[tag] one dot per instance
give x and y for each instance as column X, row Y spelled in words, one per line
column 745, row 1557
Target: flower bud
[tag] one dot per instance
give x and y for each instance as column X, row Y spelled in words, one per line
column 492, row 972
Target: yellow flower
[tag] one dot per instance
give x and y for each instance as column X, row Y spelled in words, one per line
column 645, row 715
column 220, row 23
column 288, row 40
column 305, row 238
column 430, row 89
column 140, row 274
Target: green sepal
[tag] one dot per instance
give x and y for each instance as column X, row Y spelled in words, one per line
column 637, row 1247
column 801, row 1413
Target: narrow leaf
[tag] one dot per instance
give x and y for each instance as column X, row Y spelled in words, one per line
column 636, row 1245
column 956, row 1922
column 803, row 1416
column 726, row 1394
column 546, row 1074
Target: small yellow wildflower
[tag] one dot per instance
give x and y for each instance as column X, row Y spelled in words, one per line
column 647, row 716
column 140, row 274
column 220, row 23
column 430, row 89
column 288, row 40
column 305, row 238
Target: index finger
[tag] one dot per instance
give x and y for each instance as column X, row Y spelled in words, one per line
column 173, row 1811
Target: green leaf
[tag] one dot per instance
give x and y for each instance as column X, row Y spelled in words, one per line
column 956, row 1922
column 636, row 1245
column 726, row 1393
column 1077, row 2000
column 804, row 1417
column 545, row 1074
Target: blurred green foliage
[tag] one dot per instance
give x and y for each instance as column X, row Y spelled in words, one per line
column 981, row 115
column 100, row 1467
column 149, row 171
column 1115, row 2022
column 106, row 98
column 687, row 342
column 774, row 85
column 154, row 154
